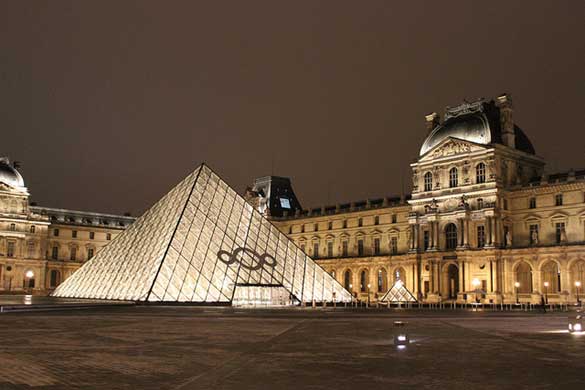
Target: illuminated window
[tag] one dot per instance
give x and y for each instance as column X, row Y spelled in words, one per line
column 316, row 250
column 453, row 177
column 451, row 236
column 428, row 179
column 480, row 236
column 559, row 232
column 480, row 173
column 10, row 249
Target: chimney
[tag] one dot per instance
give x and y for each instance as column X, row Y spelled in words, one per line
column 433, row 120
column 504, row 103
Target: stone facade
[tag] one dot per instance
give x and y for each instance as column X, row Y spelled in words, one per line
column 39, row 246
column 483, row 221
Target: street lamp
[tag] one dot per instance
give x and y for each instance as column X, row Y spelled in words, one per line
column 577, row 285
column 516, row 285
column 28, row 275
column 546, row 293
column 475, row 283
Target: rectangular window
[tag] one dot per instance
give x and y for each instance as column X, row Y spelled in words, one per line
column 376, row 220
column 533, row 234
column 344, row 248
column 394, row 218
column 89, row 253
column 108, row 236
column 532, row 203
column 360, row 222
column 394, row 245
column 480, row 236
column 345, row 224
column 74, row 233
column 12, row 227
column 55, row 253
column 558, row 199
column 560, row 232
column 73, row 254
column 56, row 232
column 505, row 204
column 315, row 250
column 330, row 225
column 426, row 239
column 376, row 246
column 302, row 228
column 32, row 229
column 330, row 249
column 360, row 247
column 10, row 249
column 91, row 235
column 316, row 227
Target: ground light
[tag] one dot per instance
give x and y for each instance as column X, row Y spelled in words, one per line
column 401, row 339
column 576, row 322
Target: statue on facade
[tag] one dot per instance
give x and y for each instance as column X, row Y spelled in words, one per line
column 508, row 239
column 463, row 202
column 534, row 237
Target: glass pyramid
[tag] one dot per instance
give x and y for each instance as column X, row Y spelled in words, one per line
column 199, row 243
column 398, row 293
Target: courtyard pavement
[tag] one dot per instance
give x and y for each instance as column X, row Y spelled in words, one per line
column 150, row 347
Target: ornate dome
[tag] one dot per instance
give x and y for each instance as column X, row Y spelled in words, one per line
column 9, row 175
column 477, row 122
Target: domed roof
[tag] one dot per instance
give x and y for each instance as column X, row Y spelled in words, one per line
column 477, row 122
column 9, row 175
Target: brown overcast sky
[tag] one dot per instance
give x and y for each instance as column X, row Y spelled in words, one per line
column 109, row 104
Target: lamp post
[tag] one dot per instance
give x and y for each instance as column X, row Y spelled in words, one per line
column 28, row 275
column 475, row 282
column 516, row 285
column 351, row 292
column 578, row 285
column 546, row 293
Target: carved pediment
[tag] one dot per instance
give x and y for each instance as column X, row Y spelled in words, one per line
column 451, row 147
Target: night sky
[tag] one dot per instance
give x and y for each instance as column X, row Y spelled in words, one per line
column 109, row 104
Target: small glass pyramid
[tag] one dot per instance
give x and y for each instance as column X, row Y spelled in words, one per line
column 199, row 243
column 398, row 294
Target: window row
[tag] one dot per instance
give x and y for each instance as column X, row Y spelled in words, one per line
column 74, row 234
column 376, row 248
column 480, row 177
column 360, row 222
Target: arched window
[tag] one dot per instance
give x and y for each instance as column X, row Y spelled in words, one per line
column 552, row 275
column 453, row 181
column 364, row 281
column 428, row 181
column 524, row 278
column 347, row 280
column 578, row 275
column 451, row 236
column 480, row 173
column 382, row 280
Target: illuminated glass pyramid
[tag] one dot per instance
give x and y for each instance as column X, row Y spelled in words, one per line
column 398, row 293
column 200, row 243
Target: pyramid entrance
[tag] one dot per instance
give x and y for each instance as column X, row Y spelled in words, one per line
column 203, row 243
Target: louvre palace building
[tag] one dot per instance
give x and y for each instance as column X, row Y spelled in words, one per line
column 483, row 218
column 41, row 246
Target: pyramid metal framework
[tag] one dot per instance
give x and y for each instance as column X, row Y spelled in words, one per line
column 398, row 293
column 198, row 244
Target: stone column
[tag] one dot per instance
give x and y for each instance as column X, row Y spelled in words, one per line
column 493, row 231
column 432, row 235
column 416, row 236
column 466, row 232
column 460, row 287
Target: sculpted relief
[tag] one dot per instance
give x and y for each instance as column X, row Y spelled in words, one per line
column 451, row 148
